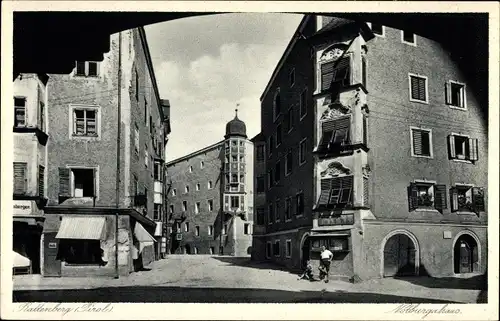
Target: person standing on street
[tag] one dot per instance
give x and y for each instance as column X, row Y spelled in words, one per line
column 326, row 259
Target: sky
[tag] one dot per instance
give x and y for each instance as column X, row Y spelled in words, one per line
column 207, row 65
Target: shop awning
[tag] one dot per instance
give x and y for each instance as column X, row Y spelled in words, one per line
column 141, row 234
column 20, row 261
column 82, row 228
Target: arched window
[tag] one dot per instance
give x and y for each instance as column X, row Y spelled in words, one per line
column 277, row 104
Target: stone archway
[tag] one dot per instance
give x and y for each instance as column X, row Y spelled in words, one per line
column 399, row 254
column 466, row 253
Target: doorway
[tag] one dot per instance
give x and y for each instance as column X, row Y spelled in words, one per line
column 466, row 255
column 400, row 255
column 306, row 250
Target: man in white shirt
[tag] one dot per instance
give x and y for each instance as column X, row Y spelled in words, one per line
column 326, row 258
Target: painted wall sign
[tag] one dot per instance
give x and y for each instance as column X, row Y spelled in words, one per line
column 447, row 234
column 52, row 245
column 22, row 207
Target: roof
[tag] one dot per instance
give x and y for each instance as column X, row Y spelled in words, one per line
column 334, row 24
column 195, row 153
column 257, row 138
column 236, row 127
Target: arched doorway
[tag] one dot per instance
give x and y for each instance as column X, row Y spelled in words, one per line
column 400, row 254
column 465, row 255
column 305, row 250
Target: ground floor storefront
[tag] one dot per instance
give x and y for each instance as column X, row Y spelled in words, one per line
column 98, row 242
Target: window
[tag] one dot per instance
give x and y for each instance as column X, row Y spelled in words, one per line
column 270, row 178
column 268, row 250
column 260, row 184
column 335, row 134
column 197, row 187
column 202, row 164
column 303, row 104
column 276, row 248
column 408, row 37
column 234, row 178
column 302, row 151
column 455, row 95
column 377, row 29
column 190, row 169
column 210, row 230
column 210, row 205
column 146, row 156
column 174, row 192
column 20, row 178
column 270, row 146
column 83, row 182
column 278, row 135
column 157, row 212
column 246, row 229
column 80, row 252
column 335, row 74
column 186, row 189
column 184, row 206
column 288, row 249
column 299, row 204
column 363, row 71
column 277, row 213
column 178, row 227
column 427, row 195
column 336, row 192
column 260, row 216
column 270, row 213
column 289, row 121
column 87, row 69
column 276, row 104
column 277, row 171
column 288, row 208
column 41, row 116
column 210, row 186
column 197, row 207
column 85, row 122
column 158, row 173
column 197, row 230
column 292, row 77
column 418, row 88
column 41, row 181
column 19, row 111
column 289, row 163
column 421, row 142
column 224, row 229
column 136, row 139
column 186, row 227
column 260, row 153
column 462, row 147
column 235, row 202
column 171, row 209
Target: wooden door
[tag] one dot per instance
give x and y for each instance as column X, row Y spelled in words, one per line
column 52, row 265
column 465, row 258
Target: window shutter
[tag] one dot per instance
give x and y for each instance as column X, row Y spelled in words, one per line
column 473, row 150
column 454, row 199
column 421, row 89
column 447, row 92
column 414, row 87
column 365, row 133
column 325, row 192
column 347, row 182
column 41, row 181
column 478, row 199
column 64, row 188
column 417, row 142
column 20, row 180
column 440, row 197
column 326, row 75
column 366, row 194
column 451, row 147
column 412, row 197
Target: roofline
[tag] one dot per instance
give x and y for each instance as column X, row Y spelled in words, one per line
column 286, row 53
column 180, row 159
column 149, row 63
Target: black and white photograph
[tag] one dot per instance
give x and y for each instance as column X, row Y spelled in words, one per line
column 309, row 156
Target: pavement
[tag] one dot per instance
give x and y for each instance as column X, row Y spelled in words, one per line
column 204, row 278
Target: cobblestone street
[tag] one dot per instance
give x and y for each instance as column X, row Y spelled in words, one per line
column 199, row 278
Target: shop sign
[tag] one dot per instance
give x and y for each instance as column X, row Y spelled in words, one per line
column 22, row 207
column 344, row 219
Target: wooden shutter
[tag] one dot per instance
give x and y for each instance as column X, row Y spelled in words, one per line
column 412, row 196
column 347, row 182
column 366, row 193
column 440, row 197
column 418, row 88
column 326, row 75
column 417, row 141
column 41, row 181
column 473, row 150
column 64, row 183
column 365, row 133
column 20, row 180
column 363, row 71
column 447, row 92
column 454, row 199
column 478, row 199
column 451, row 147
column 421, row 89
column 326, row 184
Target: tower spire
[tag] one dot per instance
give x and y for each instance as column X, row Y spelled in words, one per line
column 236, row 110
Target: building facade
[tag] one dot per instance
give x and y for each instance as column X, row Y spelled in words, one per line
column 210, row 198
column 30, row 168
column 399, row 155
column 106, row 168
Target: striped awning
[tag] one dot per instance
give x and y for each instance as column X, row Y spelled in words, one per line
column 82, row 228
column 141, row 234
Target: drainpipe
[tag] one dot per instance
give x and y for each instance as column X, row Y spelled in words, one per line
column 118, row 145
